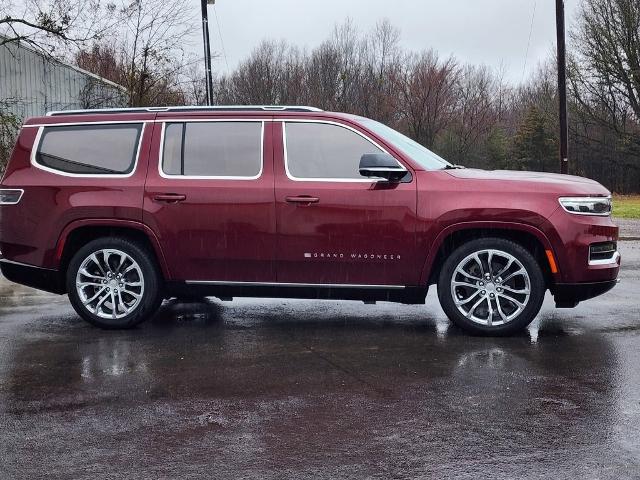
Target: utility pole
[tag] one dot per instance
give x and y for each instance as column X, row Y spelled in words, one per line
column 207, row 48
column 562, row 87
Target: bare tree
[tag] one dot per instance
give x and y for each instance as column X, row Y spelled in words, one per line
column 95, row 94
column 427, row 95
column 155, row 34
column 147, row 55
column 9, row 125
column 46, row 24
column 607, row 61
column 194, row 85
column 604, row 78
column 259, row 78
column 349, row 46
column 478, row 96
column 382, row 64
column 104, row 60
column 325, row 77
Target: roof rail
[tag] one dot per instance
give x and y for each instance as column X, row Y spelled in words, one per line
column 215, row 108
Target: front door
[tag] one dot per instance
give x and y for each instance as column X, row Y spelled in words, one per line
column 334, row 226
column 209, row 198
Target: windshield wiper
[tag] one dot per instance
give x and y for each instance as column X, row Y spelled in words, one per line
column 454, row 167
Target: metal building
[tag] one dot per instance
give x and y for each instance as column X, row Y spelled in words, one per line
column 32, row 84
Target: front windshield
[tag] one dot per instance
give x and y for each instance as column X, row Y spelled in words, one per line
column 421, row 155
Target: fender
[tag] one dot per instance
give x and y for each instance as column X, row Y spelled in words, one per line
column 456, row 227
column 111, row 222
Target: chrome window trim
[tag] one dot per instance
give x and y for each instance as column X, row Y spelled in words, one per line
column 12, row 190
column 220, row 119
column 607, row 261
column 36, row 146
column 332, row 180
column 302, row 285
column 209, row 177
column 97, row 122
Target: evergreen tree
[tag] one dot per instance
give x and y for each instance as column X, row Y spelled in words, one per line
column 534, row 145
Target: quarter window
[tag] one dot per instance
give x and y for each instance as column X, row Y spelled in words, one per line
column 325, row 151
column 90, row 149
column 213, row 149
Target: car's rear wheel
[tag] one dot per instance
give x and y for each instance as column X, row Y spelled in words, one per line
column 113, row 283
column 491, row 286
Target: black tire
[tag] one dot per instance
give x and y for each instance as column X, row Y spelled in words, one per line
column 446, row 290
column 147, row 304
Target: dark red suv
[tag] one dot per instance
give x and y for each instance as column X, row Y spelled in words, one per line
column 124, row 208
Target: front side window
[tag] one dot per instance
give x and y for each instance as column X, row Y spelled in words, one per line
column 90, row 149
column 213, row 149
column 324, row 151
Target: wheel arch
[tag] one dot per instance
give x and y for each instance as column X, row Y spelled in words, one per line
column 450, row 238
column 80, row 232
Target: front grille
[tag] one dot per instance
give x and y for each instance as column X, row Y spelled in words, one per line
column 602, row 251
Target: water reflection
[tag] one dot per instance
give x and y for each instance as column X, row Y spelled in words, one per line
column 228, row 348
column 111, row 359
column 301, row 375
column 13, row 295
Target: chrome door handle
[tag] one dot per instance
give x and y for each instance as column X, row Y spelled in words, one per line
column 302, row 200
column 170, row 197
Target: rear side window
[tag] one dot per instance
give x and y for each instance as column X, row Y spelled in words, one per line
column 90, row 149
column 213, row 149
column 325, row 151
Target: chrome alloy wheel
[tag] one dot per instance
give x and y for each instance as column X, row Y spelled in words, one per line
column 110, row 283
column 491, row 287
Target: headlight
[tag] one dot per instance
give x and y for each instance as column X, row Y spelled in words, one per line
column 587, row 205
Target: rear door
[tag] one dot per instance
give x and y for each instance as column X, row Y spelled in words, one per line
column 334, row 226
column 209, row 196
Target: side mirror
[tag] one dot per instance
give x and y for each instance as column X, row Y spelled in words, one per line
column 381, row 165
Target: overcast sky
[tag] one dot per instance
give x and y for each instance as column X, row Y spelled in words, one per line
column 491, row 32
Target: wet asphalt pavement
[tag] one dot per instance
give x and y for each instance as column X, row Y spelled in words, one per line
column 299, row 389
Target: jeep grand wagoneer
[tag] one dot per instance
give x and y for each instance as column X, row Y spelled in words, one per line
column 123, row 208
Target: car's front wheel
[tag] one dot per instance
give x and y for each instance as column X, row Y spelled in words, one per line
column 491, row 286
column 113, row 283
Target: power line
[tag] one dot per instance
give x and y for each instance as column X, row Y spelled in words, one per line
column 526, row 55
column 224, row 52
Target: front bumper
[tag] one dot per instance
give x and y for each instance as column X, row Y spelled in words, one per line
column 571, row 237
column 568, row 295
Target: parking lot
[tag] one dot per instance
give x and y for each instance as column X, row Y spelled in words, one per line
column 272, row 389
